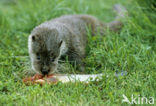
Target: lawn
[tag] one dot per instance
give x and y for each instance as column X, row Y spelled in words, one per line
column 133, row 50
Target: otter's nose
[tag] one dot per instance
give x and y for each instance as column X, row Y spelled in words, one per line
column 45, row 72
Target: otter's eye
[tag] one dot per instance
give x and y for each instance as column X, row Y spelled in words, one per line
column 52, row 60
column 38, row 58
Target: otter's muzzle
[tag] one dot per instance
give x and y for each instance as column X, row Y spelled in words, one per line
column 45, row 70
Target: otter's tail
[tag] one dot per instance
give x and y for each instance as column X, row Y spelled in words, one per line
column 117, row 24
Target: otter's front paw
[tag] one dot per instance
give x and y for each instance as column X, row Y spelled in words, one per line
column 81, row 68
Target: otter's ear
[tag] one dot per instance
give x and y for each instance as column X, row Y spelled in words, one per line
column 60, row 43
column 33, row 38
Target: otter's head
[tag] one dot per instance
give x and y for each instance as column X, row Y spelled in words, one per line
column 44, row 49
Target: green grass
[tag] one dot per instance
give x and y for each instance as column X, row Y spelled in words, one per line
column 133, row 50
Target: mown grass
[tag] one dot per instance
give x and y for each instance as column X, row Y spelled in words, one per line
column 133, row 50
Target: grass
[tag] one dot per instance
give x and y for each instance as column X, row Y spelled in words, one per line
column 133, row 50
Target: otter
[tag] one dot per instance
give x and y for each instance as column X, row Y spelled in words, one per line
column 66, row 36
